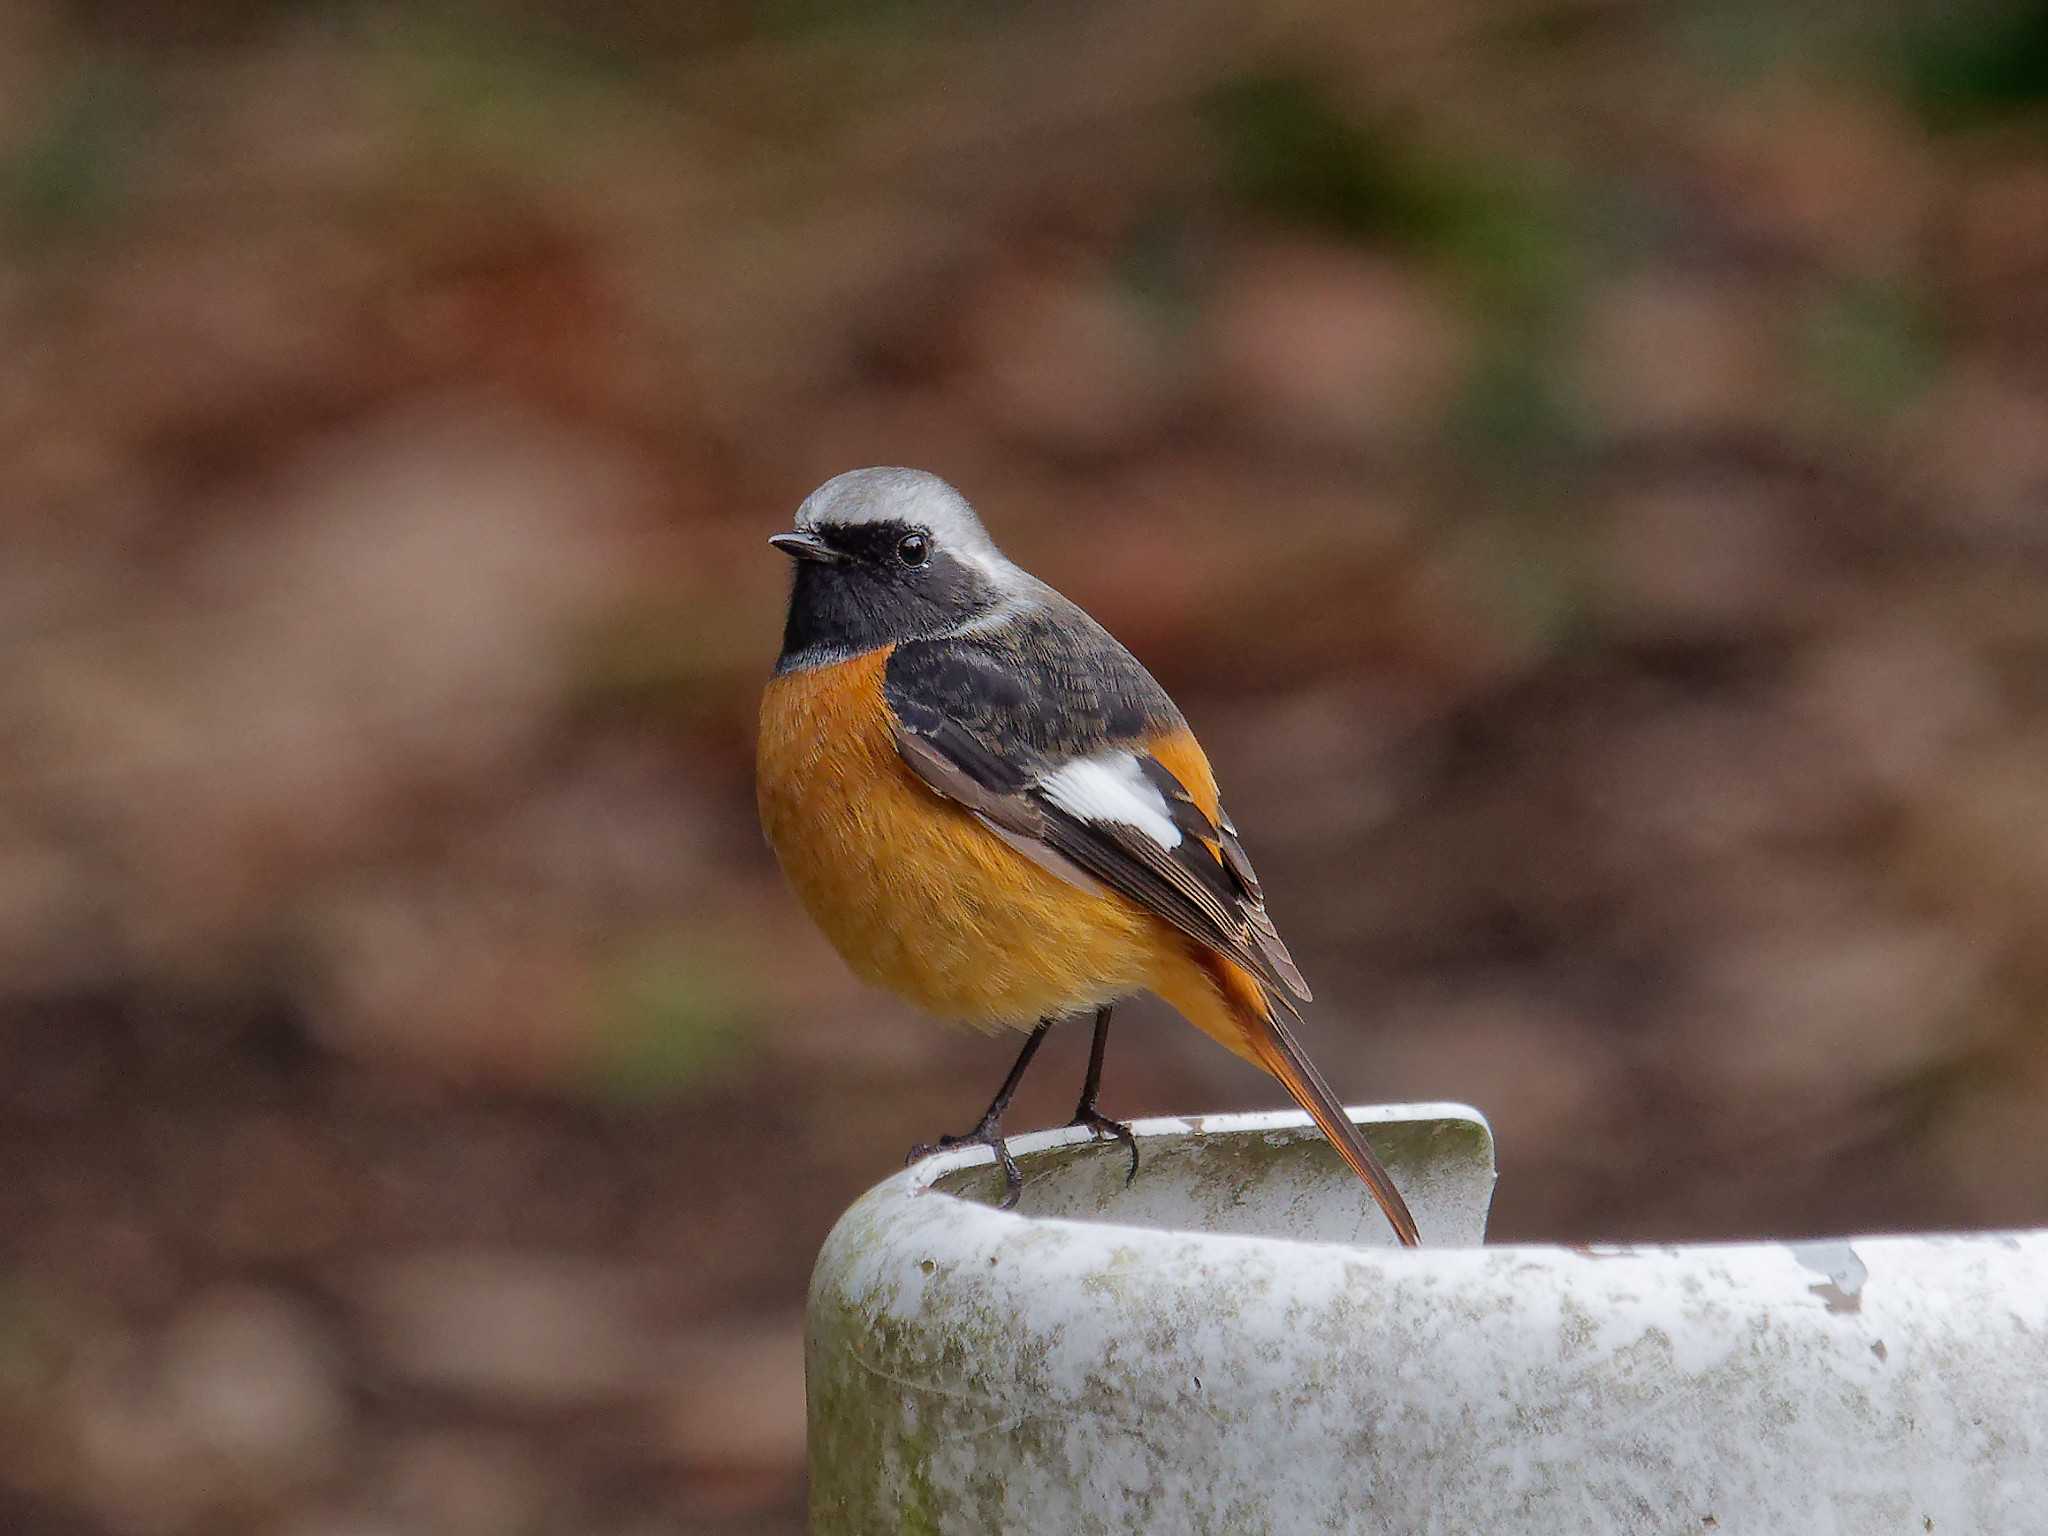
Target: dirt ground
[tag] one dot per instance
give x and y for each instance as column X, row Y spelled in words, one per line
column 1582, row 465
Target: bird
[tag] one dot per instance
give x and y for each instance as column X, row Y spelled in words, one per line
column 992, row 809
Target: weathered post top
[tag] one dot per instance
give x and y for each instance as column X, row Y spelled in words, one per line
column 1232, row 1343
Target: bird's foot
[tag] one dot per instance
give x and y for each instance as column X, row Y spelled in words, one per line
column 1110, row 1130
column 987, row 1134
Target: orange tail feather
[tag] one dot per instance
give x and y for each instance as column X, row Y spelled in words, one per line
column 1263, row 1037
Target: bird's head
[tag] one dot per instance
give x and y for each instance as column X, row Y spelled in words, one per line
column 884, row 556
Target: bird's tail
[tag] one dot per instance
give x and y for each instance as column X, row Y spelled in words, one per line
column 1258, row 1031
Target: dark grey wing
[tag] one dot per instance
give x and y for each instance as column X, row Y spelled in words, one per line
column 1048, row 744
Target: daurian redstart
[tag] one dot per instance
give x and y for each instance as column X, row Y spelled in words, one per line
column 992, row 809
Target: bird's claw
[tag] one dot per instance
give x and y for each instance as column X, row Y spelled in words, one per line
column 1114, row 1130
column 987, row 1134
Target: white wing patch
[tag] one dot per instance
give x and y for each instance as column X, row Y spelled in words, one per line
column 1112, row 787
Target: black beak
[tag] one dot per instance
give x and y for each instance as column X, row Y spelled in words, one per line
column 807, row 546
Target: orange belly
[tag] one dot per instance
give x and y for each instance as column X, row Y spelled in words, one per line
column 917, row 895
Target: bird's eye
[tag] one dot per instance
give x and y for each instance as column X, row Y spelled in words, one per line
column 913, row 549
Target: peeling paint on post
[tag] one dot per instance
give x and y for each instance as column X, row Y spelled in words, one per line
column 1232, row 1344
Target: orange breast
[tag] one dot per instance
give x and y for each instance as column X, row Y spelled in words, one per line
column 917, row 895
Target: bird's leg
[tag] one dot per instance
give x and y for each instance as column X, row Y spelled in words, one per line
column 1085, row 1113
column 989, row 1132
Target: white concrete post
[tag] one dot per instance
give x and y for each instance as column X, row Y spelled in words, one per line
column 1232, row 1345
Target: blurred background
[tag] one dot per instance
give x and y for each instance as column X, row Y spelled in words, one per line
column 1581, row 464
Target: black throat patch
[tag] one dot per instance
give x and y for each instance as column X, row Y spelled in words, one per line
column 874, row 599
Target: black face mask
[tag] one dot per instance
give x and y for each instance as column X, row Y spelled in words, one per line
column 875, row 596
